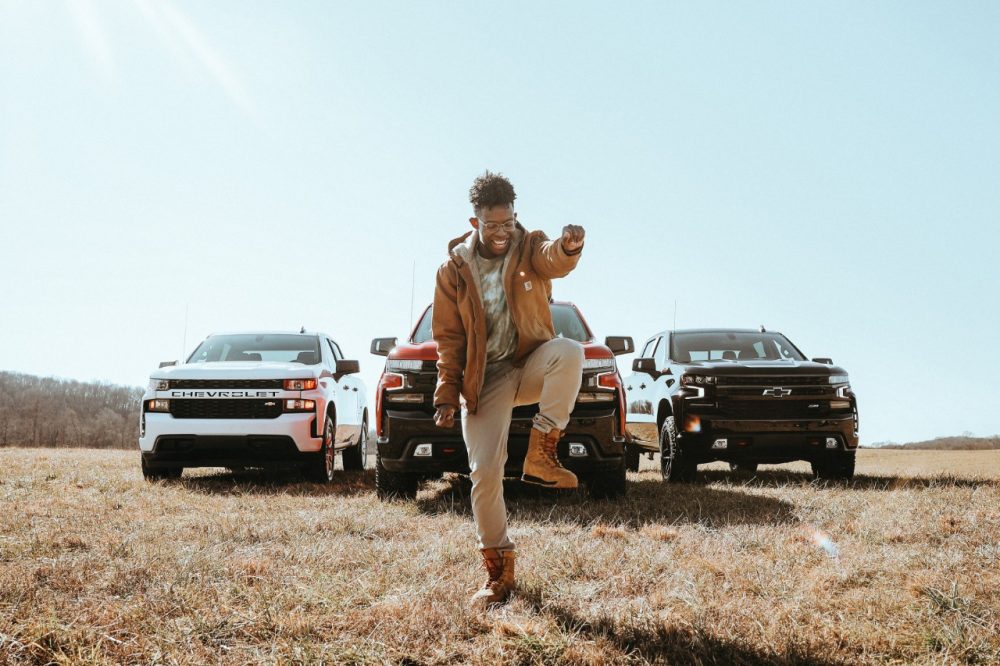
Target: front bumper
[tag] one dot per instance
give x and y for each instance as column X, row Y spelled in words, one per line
column 224, row 451
column 404, row 431
column 300, row 429
column 767, row 441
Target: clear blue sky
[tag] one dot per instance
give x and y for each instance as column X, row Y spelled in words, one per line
column 826, row 169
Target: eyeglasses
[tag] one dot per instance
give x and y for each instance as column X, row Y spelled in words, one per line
column 494, row 227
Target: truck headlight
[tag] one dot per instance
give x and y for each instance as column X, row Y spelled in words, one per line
column 403, row 365
column 300, row 405
column 689, row 380
column 605, row 364
column 159, row 384
column 839, row 379
column 300, row 384
column 157, row 405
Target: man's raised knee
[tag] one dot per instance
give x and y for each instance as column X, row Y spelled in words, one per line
column 567, row 351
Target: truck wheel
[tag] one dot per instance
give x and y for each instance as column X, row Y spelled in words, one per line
column 749, row 468
column 674, row 465
column 840, row 467
column 319, row 467
column 608, row 485
column 632, row 455
column 394, row 484
column 356, row 457
column 160, row 473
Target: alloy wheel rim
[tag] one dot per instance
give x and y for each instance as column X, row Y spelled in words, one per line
column 668, row 457
column 328, row 450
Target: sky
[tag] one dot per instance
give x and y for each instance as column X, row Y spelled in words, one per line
column 170, row 168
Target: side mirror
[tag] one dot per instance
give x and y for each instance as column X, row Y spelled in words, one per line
column 619, row 344
column 647, row 365
column 382, row 346
column 167, row 364
column 827, row 361
column 348, row 367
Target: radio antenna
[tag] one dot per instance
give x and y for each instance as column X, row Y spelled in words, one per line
column 413, row 283
column 184, row 342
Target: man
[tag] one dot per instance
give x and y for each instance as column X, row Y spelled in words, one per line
column 498, row 349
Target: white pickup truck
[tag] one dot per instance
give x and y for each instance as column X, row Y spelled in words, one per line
column 256, row 399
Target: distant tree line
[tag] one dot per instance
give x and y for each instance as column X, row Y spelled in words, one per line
column 958, row 443
column 44, row 411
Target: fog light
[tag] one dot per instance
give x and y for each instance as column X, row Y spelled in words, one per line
column 577, row 450
column 720, row 443
column 692, row 424
column 424, row 450
column 831, row 442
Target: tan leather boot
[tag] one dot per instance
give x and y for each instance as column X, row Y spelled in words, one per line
column 541, row 466
column 500, row 583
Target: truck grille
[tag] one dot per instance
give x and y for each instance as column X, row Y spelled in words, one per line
column 225, row 409
column 423, row 381
column 227, row 383
column 775, row 380
column 764, row 409
column 757, row 391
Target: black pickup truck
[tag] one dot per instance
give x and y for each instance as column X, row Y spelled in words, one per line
column 746, row 397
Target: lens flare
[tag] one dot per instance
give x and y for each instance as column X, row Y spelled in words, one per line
column 826, row 543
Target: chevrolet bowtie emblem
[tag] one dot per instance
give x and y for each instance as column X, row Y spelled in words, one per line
column 777, row 392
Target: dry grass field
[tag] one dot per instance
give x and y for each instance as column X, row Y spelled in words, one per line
column 900, row 566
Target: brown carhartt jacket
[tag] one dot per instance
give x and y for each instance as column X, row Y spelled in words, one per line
column 459, row 320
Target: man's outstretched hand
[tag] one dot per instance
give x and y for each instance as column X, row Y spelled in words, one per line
column 572, row 237
column 444, row 417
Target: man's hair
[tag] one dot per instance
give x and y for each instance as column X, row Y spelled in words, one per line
column 489, row 190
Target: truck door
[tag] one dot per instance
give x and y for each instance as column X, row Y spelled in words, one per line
column 639, row 390
column 348, row 400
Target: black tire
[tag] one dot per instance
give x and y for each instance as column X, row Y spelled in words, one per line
column 608, row 485
column 674, row 465
column 632, row 456
column 749, row 468
column 160, row 473
column 355, row 458
column 389, row 485
column 839, row 467
column 319, row 466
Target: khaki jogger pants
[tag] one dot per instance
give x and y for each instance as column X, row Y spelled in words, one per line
column 550, row 376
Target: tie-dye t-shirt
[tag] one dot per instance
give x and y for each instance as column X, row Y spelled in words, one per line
column 501, row 336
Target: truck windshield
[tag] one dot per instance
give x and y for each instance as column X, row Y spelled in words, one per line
column 279, row 347
column 565, row 319
column 688, row 346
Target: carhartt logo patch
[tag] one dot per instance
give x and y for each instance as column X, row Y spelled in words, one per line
column 527, row 285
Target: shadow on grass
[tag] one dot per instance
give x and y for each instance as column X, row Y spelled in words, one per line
column 649, row 501
column 661, row 643
column 779, row 478
column 277, row 482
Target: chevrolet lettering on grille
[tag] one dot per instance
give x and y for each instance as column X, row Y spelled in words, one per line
column 224, row 394
column 777, row 392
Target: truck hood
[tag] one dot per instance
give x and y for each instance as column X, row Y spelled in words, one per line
column 238, row 370
column 428, row 351
column 782, row 367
